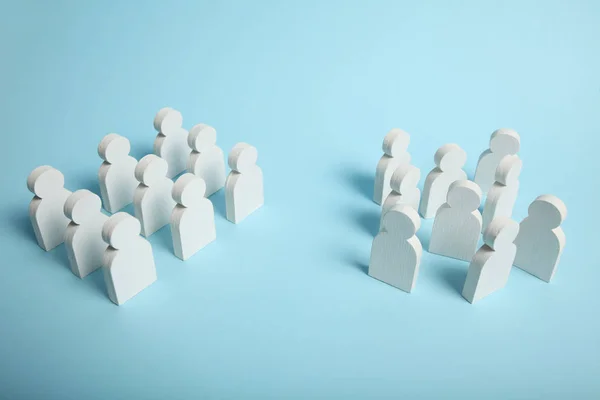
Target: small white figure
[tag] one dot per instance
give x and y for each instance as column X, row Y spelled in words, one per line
column 171, row 142
column 541, row 240
column 503, row 142
column 83, row 238
column 396, row 251
column 244, row 186
column 395, row 144
column 193, row 218
column 46, row 207
column 206, row 159
column 128, row 261
column 449, row 160
column 503, row 194
column 457, row 225
column 152, row 200
column 491, row 265
column 404, row 189
column 116, row 174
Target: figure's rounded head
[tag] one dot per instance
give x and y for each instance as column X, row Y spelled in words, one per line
column 82, row 206
column 202, row 137
column 151, row 169
column 188, row 190
column 464, row 195
column 113, row 147
column 45, row 180
column 508, row 170
column 402, row 220
column 502, row 231
column 548, row 211
column 405, row 178
column 168, row 120
column 450, row 157
column 505, row 141
column 119, row 229
column 242, row 157
column 395, row 142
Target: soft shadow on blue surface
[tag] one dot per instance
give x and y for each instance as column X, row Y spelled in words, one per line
column 218, row 200
column 21, row 224
column 360, row 181
column 368, row 221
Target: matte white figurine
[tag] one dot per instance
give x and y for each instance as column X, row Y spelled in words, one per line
column 193, row 218
column 128, row 261
column 46, row 207
column 404, row 189
column 244, row 191
column 395, row 144
column 457, row 225
column 206, row 159
column 541, row 240
column 491, row 265
column 171, row 142
column 396, row 251
column 449, row 160
column 503, row 142
column 152, row 200
column 503, row 194
column 83, row 238
column 116, row 174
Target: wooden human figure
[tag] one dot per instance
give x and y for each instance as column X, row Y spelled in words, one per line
column 116, row 174
column 171, row 142
column 457, row 225
column 541, row 240
column 395, row 144
column 83, row 238
column 152, row 200
column 193, row 218
column 404, row 188
column 396, row 251
column 503, row 193
column 206, row 159
column 244, row 191
column 449, row 160
column 491, row 265
column 503, row 142
column 128, row 261
column 46, row 207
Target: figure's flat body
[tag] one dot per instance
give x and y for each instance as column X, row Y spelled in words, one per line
column 436, row 188
column 210, row 166
column 411, row 199
column 499, row 202
column 85, row 247
column 383, row 173
column 174, row 149
column 538, row 250
column 488, row 272
column 48, row 219
column 117, row 183
column 455, row 233
column 244, row 194
column 153, row 206
column 395, row 261
column 192, row 228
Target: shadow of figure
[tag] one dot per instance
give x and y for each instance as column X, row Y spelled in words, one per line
column 21, row 224
column 360, row 181
column 162, row 238
column 368, row 221
column 454, row 278
column 218, row 200
column 95, row 281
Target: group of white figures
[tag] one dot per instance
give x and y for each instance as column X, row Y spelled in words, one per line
column 534, row 245
column 95, row 240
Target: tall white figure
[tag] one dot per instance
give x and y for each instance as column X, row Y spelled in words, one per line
column 128, row 261
column 503, row 193
column 193, row 218
column 46, row 207
column 404, row 189
column 541, row 240
column 395, row 144
column 457, row 225
column 244, row 192
column 83, row 238
column 171, row 143
column 449, row 160
column 503, row 142
column 491, row 265
column 206, row 159
column 116, row 174
column 396, row 251
column 152, row 200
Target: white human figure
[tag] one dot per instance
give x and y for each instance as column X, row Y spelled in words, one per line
column 502, row 142
column 503, row 193
column 244, row 192
column 541, row 240
column 457, row 225
column 404, row 189
column 152, row 199
column 491, row 265
column 193, row 218
column 395, row 144
column 206, row 159
column 46, row 207
column 128, row 261
column 116, row 174
column 83, row 238
column 449, row 160
column 171, row 142
column 396, row 251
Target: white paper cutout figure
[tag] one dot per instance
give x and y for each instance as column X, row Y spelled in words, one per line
column 116, row 174
column 171, row 142
column 541, row 240
column 83, row 238
column 404, row 189
column 503, row 142
column 395, row 145
column 46, row 207
column 206, row 159
column 244, row 186
column 503, row 193
column 128, row 261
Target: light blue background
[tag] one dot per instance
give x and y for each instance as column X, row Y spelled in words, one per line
column 280, row 306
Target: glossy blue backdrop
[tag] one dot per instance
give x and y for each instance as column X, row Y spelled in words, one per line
column 280, row 306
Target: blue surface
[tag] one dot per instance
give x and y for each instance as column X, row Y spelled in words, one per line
column 280, row 306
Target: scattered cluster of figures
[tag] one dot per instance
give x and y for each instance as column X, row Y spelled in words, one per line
column 94, row 240
column 534, row 245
